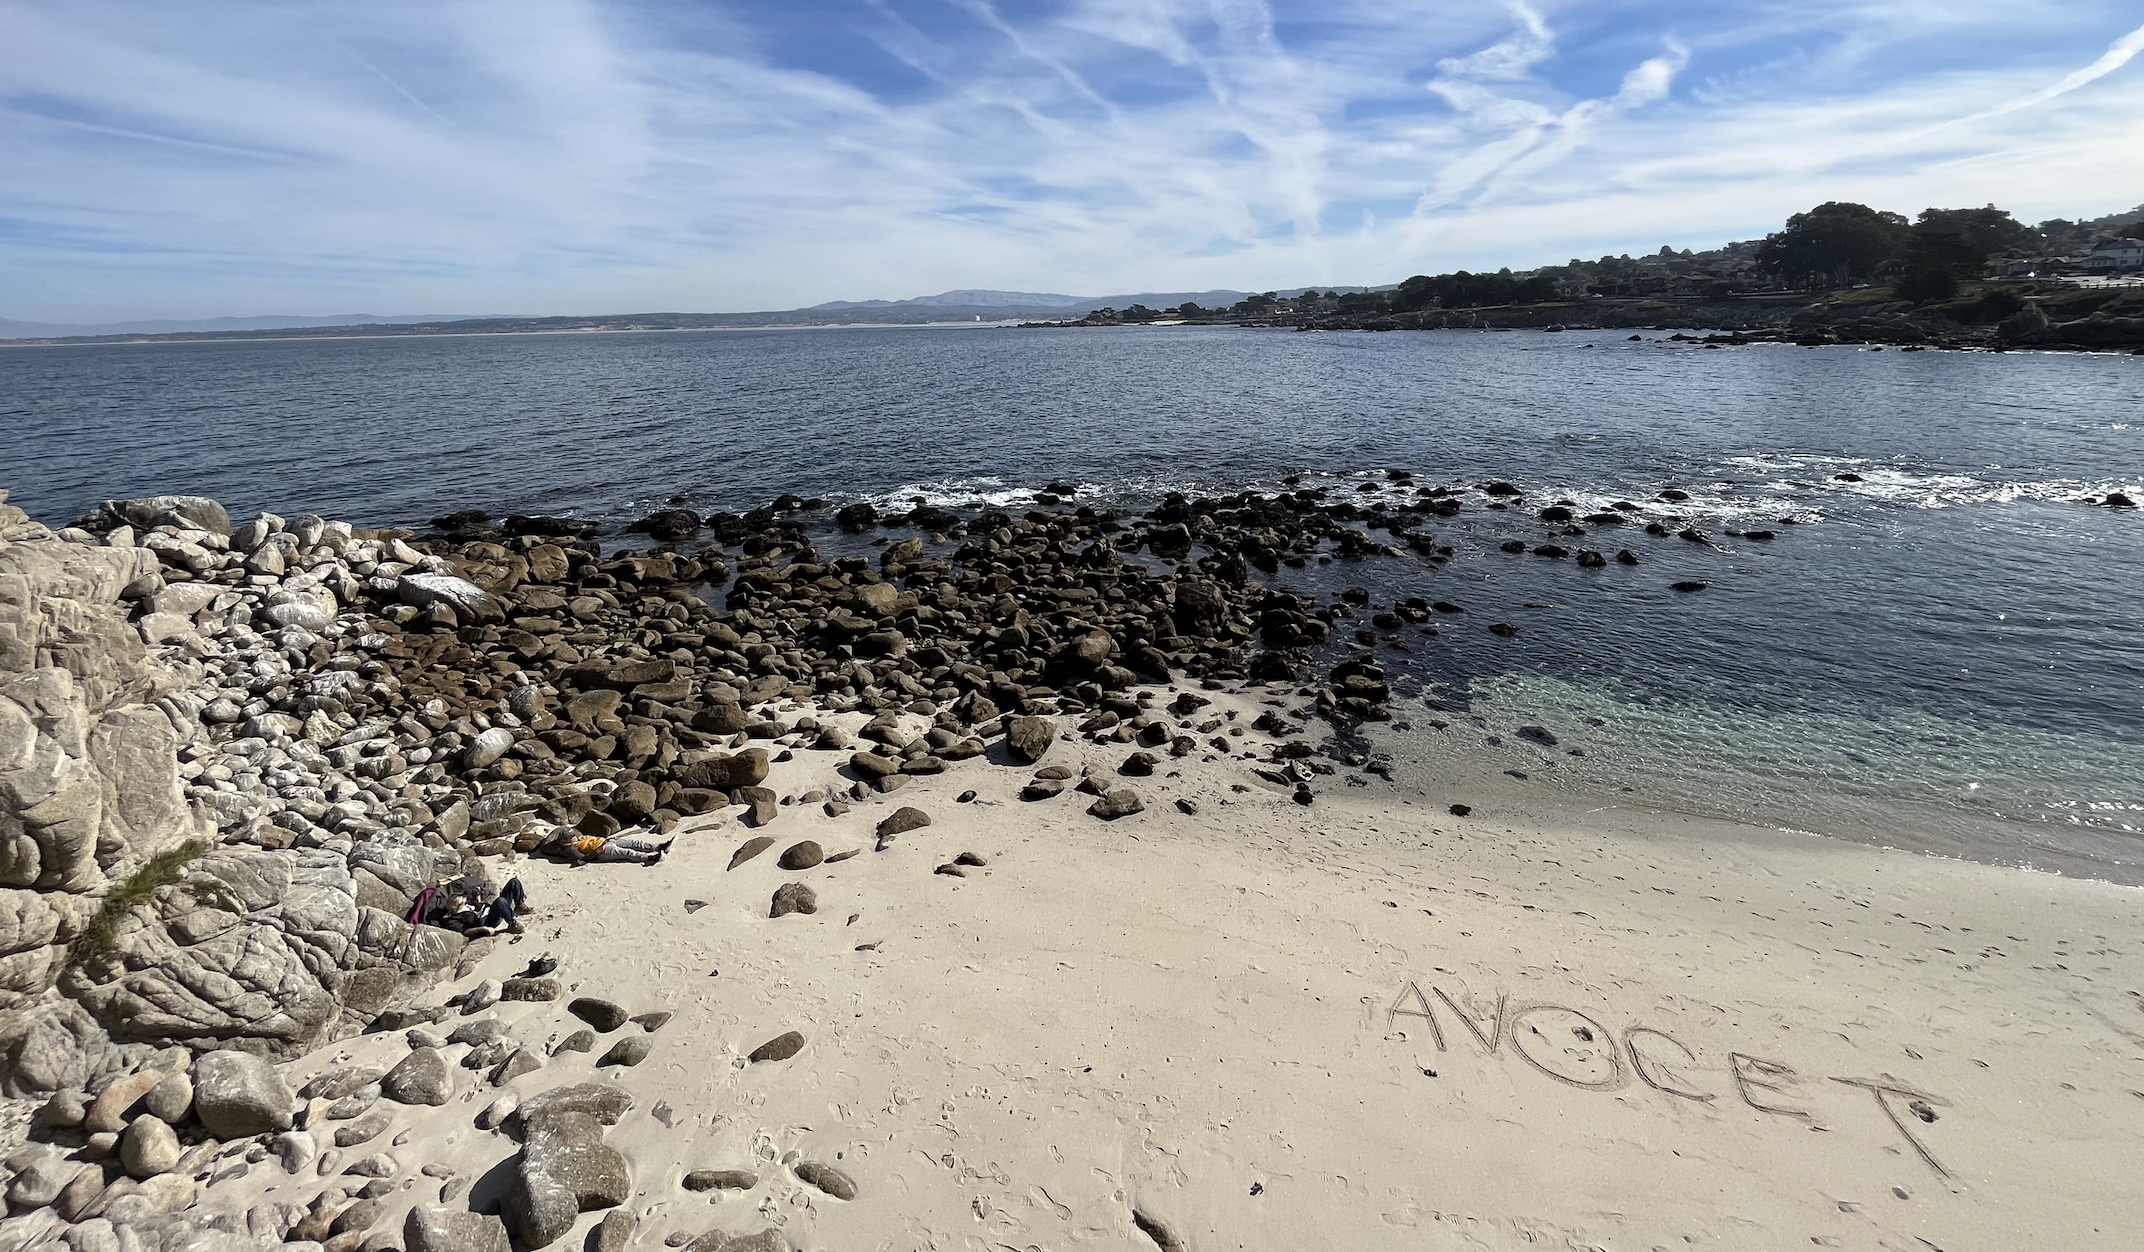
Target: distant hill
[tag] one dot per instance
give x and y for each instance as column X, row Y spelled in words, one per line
column 2114, row 220
column 962, row 299
column 1034, row 303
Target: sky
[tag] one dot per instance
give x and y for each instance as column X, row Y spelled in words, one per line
column 200, row 158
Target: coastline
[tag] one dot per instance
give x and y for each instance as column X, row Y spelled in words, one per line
column 269, row 336
column 1157, row 1015
column 1241, row 988
column 1015, row 900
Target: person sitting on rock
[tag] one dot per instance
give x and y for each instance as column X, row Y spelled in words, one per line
column 578, row 848
column 458, row 915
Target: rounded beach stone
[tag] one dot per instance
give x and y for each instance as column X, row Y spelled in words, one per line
column 902, row 821
column 171, row 1099
column 779, row 1048
column 365, row 1129
column 804, row 855
column 1115, row 803
column 750, row 848
column 793, row 897
column 65, row 1109
column 721, row 1180
column 295, row 1149
column 238, row 1095
column 828, row 1179
column 422, row 1077
column 601, row 1014
column 628, row 1052
column 115, row 1104
column 1030, row 738
column 496, row 1113
column 149, row 1147
column 615, row 1232
column 436, row 1228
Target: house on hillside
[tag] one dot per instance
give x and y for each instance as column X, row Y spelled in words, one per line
column 2034, row 266
column 2114, row 256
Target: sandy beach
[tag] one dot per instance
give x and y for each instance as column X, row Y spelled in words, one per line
column 1240, row 960
column 1363, row 1023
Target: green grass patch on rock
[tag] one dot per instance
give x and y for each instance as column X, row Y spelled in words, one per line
column 165, row 869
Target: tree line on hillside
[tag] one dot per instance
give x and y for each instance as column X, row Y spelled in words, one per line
column 1839, row 244
column 1833, row 245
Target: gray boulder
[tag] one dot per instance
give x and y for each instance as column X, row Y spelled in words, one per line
column 901, row 821
column 238, row 1095
column 364, row 1129
column 40, row 1180
column 615, row 1234
column 793, row 897
column 769, row 1240
column 434, row 1228
column 355, row 1104
column 422, row 1077
column 305, row 613
column 470, row 602
column 779, row 1048
column 171, row 1099
column 389, row 874
column 148, row 512
column 720, row 1180
column 295, row 1149
column 566, row 1169
column 523, row 1061
column 601, row 1101
column 627, row 1052
column 748, row 768
column 1029, row 738
column 828, row 1179
column 488, row 747
column 1117, row 802
column 602, row 1014
column 149, row 1147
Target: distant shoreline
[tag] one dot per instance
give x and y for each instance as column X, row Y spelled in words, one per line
column 359, row 331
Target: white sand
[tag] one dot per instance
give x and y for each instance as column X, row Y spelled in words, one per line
column 1195, row 1017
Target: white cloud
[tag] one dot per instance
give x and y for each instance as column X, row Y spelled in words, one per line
column 197, row 157
column 2116, row 56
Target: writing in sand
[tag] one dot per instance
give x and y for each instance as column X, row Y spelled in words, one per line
column 1574, row 1048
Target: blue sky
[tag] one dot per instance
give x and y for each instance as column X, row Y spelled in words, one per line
column 190, row 158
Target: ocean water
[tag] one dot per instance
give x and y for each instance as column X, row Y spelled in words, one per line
column 1944, row 655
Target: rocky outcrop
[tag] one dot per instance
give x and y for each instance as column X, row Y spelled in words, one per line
column 115, row 637
column 254, row 945
column 89, row 782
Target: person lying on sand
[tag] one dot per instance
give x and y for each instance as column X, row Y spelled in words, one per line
column 578, row 849
column 460, row 912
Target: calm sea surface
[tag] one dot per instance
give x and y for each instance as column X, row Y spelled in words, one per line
column 1945, row 655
